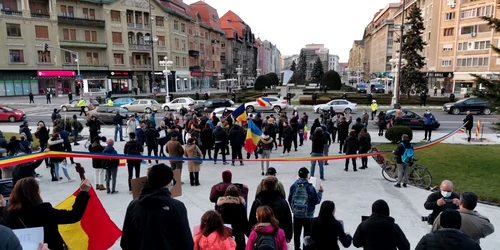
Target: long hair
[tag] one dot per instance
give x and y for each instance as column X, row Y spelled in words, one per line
column 326, row 212
column 211, row 222
column 363, row 132
column 266, row 215
column 232, row 190
column 25, row 195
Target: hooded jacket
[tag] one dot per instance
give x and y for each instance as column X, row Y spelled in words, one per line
column 266, row 144
column 236, row 136
column 151, row 137
column 267, row 228
column 96, row 162
column 93, row 125
column 113, row 163
column 206, row 138
column 429, row 119
column 343, row 128
column 233, row 212
column 25, row 129
column 400, row 150
column 213, row 242
column 43, row 135
column 8, row 240
column 474, row 225
column 380, row 232
column 220, row 135
column 270, row 130
column 280, row 207
column 447, row 239
column 156, row 221
column 133, row 146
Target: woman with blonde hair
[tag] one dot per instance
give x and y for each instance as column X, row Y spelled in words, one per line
column 213, row 235
column 266, row 229
column 193, row 151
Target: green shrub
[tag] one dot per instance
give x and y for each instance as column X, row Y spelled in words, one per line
column 347, row 88
column 331, row 80
column 307, row 100
column 274, row 78
column 262, row 82
column 394, row 134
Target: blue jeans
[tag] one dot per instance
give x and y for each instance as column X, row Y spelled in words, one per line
column 75, row 136
column 65, row 170
column 320, row 163
column 118, row 128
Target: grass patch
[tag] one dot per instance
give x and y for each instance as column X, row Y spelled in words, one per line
column 470, row 167
column 35, row 144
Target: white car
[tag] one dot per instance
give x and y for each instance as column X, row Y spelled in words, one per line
column 177, row 103
column 218, row 111
column 142, row 105
column 277, row 105
column 339, row 105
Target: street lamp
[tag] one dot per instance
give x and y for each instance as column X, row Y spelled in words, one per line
column 165, row 63
column 397, row 64
column 153, row 40
column 239, row 70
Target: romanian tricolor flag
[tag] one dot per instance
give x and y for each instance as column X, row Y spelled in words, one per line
column 478, row 127
column 240, row 114
column 96, row 231
column 264, row 102
column 253, row 137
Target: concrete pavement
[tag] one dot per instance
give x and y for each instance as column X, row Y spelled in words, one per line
column 353, row 192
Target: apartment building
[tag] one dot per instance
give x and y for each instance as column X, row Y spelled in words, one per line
column 333, row 62
column 381, row 41
column 367, row 39
column 356, row 59
column 312, row 53
column 268, row 57
column 288, row 60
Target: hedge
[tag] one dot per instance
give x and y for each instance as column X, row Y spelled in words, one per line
column 307, row 100
column 394, row 134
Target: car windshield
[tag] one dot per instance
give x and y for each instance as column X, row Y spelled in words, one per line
column 207, row 103
column 7, row 109
column 154, row 102
column 379, row 86
column 463, row 100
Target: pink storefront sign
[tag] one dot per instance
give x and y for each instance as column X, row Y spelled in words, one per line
column 55, row 73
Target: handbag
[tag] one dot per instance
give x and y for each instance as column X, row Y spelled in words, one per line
column 197, row 156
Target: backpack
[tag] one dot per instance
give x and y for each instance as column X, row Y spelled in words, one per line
column 407, row 156
column 79, row 126
column 133, row 150
column 300, row 201
column 264, row 242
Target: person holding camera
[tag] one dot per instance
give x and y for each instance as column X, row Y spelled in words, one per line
column 441, row 200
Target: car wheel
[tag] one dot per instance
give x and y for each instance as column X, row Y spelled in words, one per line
column 277, row 109
column 86, row 109
column 456, row 111
column 147, row 110
column 347, row 110
column 486, row 111
column 166, row 108
column 64, row 108
column 12, row 119
column 250, row 109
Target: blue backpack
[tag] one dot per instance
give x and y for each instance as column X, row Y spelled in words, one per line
column 407, row 156
column 300, row 201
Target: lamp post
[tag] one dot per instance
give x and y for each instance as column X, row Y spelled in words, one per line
column 396, row 64
column 239, row 70
column 165, row 63
column 152, row 40
column 397, row 81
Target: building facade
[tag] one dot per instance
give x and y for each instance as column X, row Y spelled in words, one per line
column 312, row 53
column 356, row 59
column 381, row 41
column 333, row 62
column 288, row 60
column 268, row 58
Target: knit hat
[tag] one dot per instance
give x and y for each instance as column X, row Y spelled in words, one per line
column 227, row 176
column 450, row 218
column 160, row 175
column 271, row 171
column 303, row 172
column 380, row 207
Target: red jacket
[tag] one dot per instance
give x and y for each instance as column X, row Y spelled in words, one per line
column 219, row 189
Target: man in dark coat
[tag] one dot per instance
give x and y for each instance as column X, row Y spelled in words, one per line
column 237, row 140
column 351, row 147
column 469, row 120
column 343, row 128
column 441, row 200
column 358, row 126
column 380, row 231
column 144, row 227
column 219, row 189
column 449, row 237
column 31, row 98
column 94, row 127
column 26, row 130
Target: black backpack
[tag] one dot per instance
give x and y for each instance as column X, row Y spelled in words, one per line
column 133, row 150
column 265, row 242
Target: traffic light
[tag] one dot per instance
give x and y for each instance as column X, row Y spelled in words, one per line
column 46, row 46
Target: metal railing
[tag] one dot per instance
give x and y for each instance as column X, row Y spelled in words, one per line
column 11, row 12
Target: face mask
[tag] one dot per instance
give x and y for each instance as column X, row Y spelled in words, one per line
column 445, row 194
column 427, row 112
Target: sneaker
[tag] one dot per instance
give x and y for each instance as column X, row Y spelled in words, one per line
column 262, row 173
column 363, row 167
column 282, row 154
column 425, row 139
column 241, row 164
column 398, row 185
column 404, row 184
column 225, row 163
column 326, row 163
column 114, row 192
column 323, row 179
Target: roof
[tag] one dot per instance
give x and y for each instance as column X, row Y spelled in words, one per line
column 231, row 21
column 208, row 14
column 176, row 7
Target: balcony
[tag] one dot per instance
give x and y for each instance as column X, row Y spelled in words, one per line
column 141, row 47
column 40, row 15
column 83, row 44
column 69, row 66
column 81, row 21
column 141, row 66
column 11, row 12
column 193, row 52
column 139, row 26
column 195, row 68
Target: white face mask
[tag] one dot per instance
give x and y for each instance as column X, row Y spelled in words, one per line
column 445, row 194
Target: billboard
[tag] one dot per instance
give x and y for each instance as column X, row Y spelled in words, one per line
column 286, row 75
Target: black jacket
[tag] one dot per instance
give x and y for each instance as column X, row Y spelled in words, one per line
column 343, row 128
column 96, row 162
column 133, row 146
column 43, row 135
column 318, row 143
column 351, row 146
column 206, row 138
column 220, row 135
column 431, row 204
column 270, row 130
column 151, row 137
column 326, row 233
column 447, row 239
column 3, row 141
column 280, row 207
column 93, row 125
column 257, row 121
column 44, row 215
column 156, row 221
column 56, row 145
column 470, row 121
column 236, row 136
column 357, row 127
column 287, row 133
column 365, row 143
column 27, row 131
column 379, row 232
column 294, row 124
column 233, row 212
column 25, row 170
column 118, row 119
column 400, row 150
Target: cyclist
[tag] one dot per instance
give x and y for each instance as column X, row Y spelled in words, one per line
column 404, row 156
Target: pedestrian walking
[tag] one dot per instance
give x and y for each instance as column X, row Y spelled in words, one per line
column 469, row 123
column 365, row 118
column 99, row 171
column 423, row 98
column 32, row 100
column 326, row 230
column 231, row 208
column 111, row 167
column 134, row 148
column 435, row 90
column 351, row 147
column 76, row 127
column 429, row 120
column 70, row 96
column 287, row 138
column 193, row 151
column 48, row 97
column 365, row 144
column 83, row 106
column 403, row 150
column 369, row 99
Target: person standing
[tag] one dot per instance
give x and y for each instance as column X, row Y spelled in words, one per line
column 66, row 142
column 369, row 99
column 374, row 107
column 132, row 124
column 351, row 147
column 56, row 144
column 435, row 90
column 70, row 96
column 213, row 234
column 266, row 231
column 76, row 127
column 423, row 98
column 365, row 118
column 326, row 230
column 343, row 129
column 111, row 166
column 175, row 150
column 133, row 147
column 42, row 133
column 144, row 227
column 270, row 130
column 99, row 172
column 318, row 142
column 192, row 151
column 48, row 97
column 162, row 140
column 314, row 97
column 152, row 141
column 428, row 124
column 365, row 144
column 94, row 127
column 303, row 199
column 441, row 200
column 31, row 98
column 231, row 208
column 207, row 141
column 266, row 144
column 237, row 140
column 118, row 122
column 83, row 105
column 401, row 164
column 287, row 138
column 294, row 124
column 381, row 123
column 469, row 123
column 221, row 141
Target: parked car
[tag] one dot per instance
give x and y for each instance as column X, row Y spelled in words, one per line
column 410, row 119
column 218, row 111
column 11, row 115
column 142, row 105
column 277, row 104
column 177, row 103
column 73, row 105
column 211, row 105
column 378, row 88
column 106, row 114
column 118, row 102
column 475, row 105
column 339, row 105
column 361, row 88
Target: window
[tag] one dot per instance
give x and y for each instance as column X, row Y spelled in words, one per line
column 160, row 21
column 183, row 62
column 481, row 45
column 115, row 16
column 71, row 11
column 69, row 34
column 42, row 32
column 64, row 10
column 183, row 44
column 43, row 56
column 118, row 58
column 390, row 42
column 446, row 62
column 472, row 62
column 448, row 32
column 176, row 25
column 177, row 61
column 447, row 47
column 183, row 27
column 13, row 30
column 92, row 58
column 91, row 36
column 85, row 13
column 161, row 40
column 92, row 14
column 117, row 37
column 69, row 58
column 468, row 30
column 477, row 12
column 16, row 56
column 177, row 43
column 222, row 44
column 450, row 16
column 498, row 61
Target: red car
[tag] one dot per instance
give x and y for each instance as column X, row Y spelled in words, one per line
column 11, row 115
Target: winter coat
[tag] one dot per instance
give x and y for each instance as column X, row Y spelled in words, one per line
column 314, row 197
column 470, row 121
column 140, row 135
column 294, row 124
column 287, row 133
column 96, row 163
column 162, row 140
column 43, row 135
column 94, row 126
column 279, row 187
column 365, row 143
column 429, row 119
column 280, row 207
column 380, row 232
column 9, row 240
column 431, row 204
column 474, row 225
column 151, row 137
column 357, row 127
column 267, row 228
column 351, row 145
column 364, row 118
column 382, row 123
column 314, row 126
column 447, row 239
column 236, row 136
column 44, row 215
column 257, row 121
column 189, row 153
column 220, row 135
column 270, row 130
column 25, row 170
column 213, row 242
column 132, row 125
column 326, row 233
column 118, row 120
column 156, row 221
column 318, row 142
column 57, row 145
column 206, row 138
column 65, row 136
column 400, row 150
column 27, row 131
column 219, row 189
column 3, row 141
column 129, row 148
column 233, row 212
column 266, row 144
column 112, row 163
column 175, row 149
column 343, row 128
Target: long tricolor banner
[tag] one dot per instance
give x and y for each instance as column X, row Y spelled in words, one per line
column 15, row 160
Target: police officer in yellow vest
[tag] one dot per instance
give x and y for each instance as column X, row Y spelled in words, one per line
column 82, row 104
column 110, row 103
column 374, row 108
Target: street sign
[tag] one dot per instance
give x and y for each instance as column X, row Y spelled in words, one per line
column 79, row 77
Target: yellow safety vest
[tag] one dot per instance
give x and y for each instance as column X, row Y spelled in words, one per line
column 110, row 103
column 374, row 106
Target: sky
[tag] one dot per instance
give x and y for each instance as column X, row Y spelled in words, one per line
column 291, row 24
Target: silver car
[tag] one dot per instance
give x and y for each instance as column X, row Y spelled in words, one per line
column 339, row 105
column 73, row 105
column 142, row 105
column 277, row 105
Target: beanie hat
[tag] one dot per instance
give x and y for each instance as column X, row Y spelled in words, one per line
column 160, row 175
column 450, row 218
column 227, row 176
column 380, row 207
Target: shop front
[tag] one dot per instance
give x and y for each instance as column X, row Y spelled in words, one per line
column 120, row 82
column 56, row 82
column 159, row 84
column 18, row 83
column 201, row 80
column 465, row 83
column 95, row 82
column 183, row 81
column 440, row 79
